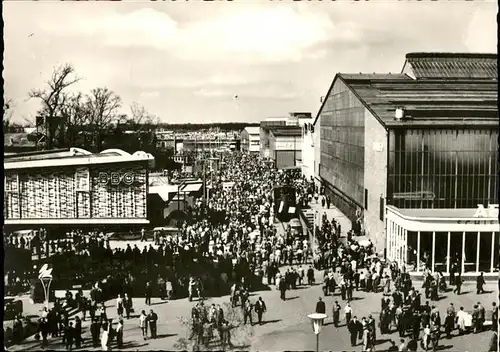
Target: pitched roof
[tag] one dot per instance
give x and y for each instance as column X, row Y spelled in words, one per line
column 451, row 65
column 442, row 100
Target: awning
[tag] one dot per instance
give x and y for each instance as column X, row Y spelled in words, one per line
column 194, row 187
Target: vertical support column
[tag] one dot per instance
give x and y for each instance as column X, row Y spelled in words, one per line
column 400, row 245
column 418, row 251
column 391, row 235
column 433, row 250
column 492, row 251
column 388, row 238
column 397, row 244
column 405, row 246
column 477, row 251
column 463, row 252
column 448, row 254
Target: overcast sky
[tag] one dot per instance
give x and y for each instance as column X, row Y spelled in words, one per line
column 186, row 61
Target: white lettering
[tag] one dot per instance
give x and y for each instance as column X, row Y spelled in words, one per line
column 115, row 178
column 480, row 212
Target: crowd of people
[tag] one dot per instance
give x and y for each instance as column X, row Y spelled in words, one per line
column 229, row 242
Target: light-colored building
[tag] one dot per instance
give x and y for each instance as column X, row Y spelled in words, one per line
column 250, row 140
column 409, row 157
column 76, row 187
column 308, row 151
column 285, row 146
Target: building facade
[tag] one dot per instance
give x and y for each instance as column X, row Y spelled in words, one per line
column 422, row 139
column 308, row 139
column 76, row 187
column 285, row 147
column 250, row 140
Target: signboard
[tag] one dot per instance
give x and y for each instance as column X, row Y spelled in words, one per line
column 491, row 212
column 116, row 178
column 422, row 195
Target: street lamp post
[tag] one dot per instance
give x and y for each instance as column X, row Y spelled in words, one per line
column 317, row 323
column 45, row 276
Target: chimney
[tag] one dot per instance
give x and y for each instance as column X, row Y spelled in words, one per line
column 399, row 113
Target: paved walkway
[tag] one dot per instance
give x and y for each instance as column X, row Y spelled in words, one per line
column 286, row 324
column 332, row 213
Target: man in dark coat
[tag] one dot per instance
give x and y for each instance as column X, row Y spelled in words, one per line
column 310, row 276
column 336, row 314
column 354, row 327
column 152, row 319
column 95, row 329
column 320, row 306
column 69, row 334
column 494, row 317
column 78, row 332
column 480, row 283
column 282, row 288
column 260, row 308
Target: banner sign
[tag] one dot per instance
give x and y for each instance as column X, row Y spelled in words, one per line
column 227, row 185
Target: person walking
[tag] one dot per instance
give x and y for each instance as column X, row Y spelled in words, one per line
column 143, row 324
column 119, row 334
column 152, row 319
column 68, row 335
column 119, row 306
column 480, row 283
column 78, row 332
column 310, row 276
column 354, row 327
column 458, row 284
column 260, row 308
column 95, row 328
column 347, row 313
column 149, row 293
column 482, row 316
column 336, row 314
column 127, row 305
column 282, row 288
column 320, row 306
column 247, row 312
column 494, row 317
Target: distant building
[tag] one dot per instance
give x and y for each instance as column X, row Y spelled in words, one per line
column 293, row 119
column 250, row 140
column 308, row 139
column 410, row 156
column 285, row 146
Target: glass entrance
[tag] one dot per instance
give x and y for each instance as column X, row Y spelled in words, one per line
column 470, row 251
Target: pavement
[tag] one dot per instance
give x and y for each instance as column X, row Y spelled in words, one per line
column 332, row 213
column 286, row 324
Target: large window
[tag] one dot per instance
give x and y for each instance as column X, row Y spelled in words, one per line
column 443, row 168
column 425, row 249
column 470, row 251
column 441, row 251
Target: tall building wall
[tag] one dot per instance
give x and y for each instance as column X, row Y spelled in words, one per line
column 342, row 148
column 375, row 180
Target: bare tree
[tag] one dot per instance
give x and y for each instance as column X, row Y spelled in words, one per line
column 144, row 124
column 7, row 113
column 53, row 99
column 239, row 334
column 75, row 116
column 102, row 107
